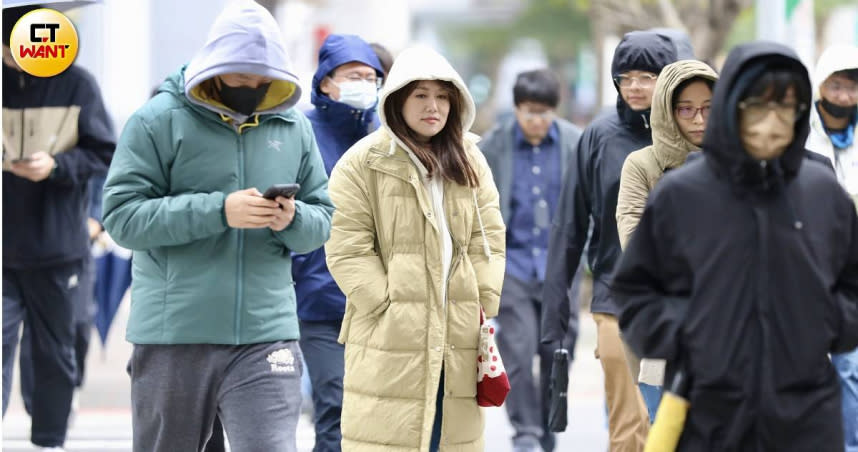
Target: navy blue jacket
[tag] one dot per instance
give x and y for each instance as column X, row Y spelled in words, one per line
column 337, row 127
column 44, row 223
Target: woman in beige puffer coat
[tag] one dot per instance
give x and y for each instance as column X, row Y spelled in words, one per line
column 417, row 246
column 680, row 107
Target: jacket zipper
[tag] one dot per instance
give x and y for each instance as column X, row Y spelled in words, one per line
column 239, row 283
column 21, row 149
column 760, row 307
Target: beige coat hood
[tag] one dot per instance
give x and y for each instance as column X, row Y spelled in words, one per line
column 669, row 147
column 423, row 63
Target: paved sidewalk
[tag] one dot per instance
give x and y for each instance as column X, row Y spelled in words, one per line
column 103, row 421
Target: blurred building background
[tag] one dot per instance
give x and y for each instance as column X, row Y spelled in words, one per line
column 132, row 45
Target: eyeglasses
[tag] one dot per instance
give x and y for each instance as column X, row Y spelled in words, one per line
column 644, row 80
column 687, row 112
column 355, row 77
column 756, row 109
column 545, row 115
column 837, row 87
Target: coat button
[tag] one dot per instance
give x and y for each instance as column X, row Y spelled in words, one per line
column 452, row 347
column 437, row 349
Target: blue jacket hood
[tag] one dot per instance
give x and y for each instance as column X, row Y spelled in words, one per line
column 338, row 50
column 337, row 127
column 245, row 38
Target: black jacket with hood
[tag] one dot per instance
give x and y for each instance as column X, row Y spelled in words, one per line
column 591, row 187
column 745, row 274
column 44, row 223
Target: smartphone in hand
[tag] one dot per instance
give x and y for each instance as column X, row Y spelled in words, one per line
column 284, row 190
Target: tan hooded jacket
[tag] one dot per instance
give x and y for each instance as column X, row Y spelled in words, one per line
column 405, row 320
column 643, row 168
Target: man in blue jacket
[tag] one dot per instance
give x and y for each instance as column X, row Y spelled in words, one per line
column 56, row 136
column 344, row 96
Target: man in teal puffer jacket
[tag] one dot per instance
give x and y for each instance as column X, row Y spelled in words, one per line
column 213, row 317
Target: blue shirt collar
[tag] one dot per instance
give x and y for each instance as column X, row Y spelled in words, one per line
column 548, row 140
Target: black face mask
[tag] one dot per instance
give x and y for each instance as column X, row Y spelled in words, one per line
column 243, row 99
column 836, row 110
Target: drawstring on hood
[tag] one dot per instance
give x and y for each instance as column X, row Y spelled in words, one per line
column 486, row 250
column 245, row 38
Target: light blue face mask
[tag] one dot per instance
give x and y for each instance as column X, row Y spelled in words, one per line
column 358, row 94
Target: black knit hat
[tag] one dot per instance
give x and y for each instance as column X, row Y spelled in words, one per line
column 11, row 16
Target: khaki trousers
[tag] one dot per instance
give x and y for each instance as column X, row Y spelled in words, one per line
column 628, row 419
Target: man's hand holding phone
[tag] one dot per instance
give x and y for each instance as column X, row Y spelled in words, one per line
column 284, row 194
column 285, row 214
column 250, row 209
column 36, row 168
column 247, row 209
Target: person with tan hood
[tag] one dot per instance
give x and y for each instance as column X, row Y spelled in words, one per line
column 680, row 107
column 417, row 247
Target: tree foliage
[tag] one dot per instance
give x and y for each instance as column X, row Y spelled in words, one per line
column 560, row 27
column 708, row 23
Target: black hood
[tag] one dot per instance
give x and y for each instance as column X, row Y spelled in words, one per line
column 722, row 144
column 641, row 51
column 681, row 42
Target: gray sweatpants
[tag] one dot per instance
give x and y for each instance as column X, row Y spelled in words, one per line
column 176, row 390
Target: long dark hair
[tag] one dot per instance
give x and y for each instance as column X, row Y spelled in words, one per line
column 446, row 153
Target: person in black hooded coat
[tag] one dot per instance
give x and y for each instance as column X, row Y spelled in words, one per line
column 590, row 193
column 743, row 271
